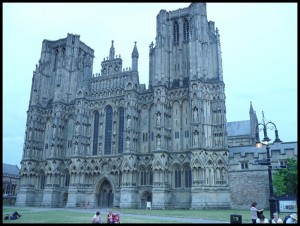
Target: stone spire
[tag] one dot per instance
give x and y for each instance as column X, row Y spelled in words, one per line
column 134, row 56
column 112, row 51
column 253, row 123
column 251, row 108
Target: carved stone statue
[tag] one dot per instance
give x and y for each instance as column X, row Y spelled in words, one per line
column 195, row 114
column 158, row 119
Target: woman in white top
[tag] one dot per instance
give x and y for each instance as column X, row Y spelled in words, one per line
column 254, row 211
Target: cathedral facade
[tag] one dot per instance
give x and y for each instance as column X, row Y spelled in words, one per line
column 106, row 140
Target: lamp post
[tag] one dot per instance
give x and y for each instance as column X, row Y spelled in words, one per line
column 266, row 141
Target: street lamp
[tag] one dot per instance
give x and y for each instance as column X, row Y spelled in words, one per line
column 266, row 141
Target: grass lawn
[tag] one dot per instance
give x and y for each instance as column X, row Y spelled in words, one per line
column 70, row 215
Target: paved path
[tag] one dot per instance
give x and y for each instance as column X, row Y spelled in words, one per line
column 148, row 216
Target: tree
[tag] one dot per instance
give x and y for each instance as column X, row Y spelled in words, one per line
column 285, row 181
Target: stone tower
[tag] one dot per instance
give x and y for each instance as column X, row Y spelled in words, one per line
column 186, row 76
column 106, row 140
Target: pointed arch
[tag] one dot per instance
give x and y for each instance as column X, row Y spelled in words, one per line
column 41, row 180
column 108, row 130
column 175, row 32
column 186, row 30
column 96, row 132
column 105, row 191
column 121, row 130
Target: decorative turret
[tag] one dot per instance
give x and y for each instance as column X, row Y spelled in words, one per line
column 112, row 51
column 112, row 64
column 135, row 56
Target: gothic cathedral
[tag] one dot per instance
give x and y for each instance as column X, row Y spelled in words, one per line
column 106, row 140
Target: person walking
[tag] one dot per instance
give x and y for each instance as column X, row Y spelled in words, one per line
column 254, row 212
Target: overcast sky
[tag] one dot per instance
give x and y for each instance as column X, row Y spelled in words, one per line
column 258, row 43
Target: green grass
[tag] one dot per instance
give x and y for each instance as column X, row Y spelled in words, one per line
column 222, row 215
column 70, row 215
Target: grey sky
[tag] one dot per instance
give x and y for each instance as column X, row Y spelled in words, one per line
column 258, row 43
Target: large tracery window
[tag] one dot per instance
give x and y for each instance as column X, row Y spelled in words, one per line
column 108, row 130
column 175, row 32
column 121, row 129
column 95, row 138
column 146, row 176
column 186, row 29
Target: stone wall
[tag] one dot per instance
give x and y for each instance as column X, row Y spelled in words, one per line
column 249, row 182
column 247, row 187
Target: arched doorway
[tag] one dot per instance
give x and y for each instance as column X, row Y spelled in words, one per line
column 106, row 195
column 146, row 197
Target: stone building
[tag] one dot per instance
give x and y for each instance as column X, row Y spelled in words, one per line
column 10, row 183
column 241, row 133
column 248, row 181
column 10, row 179
column 106, row 140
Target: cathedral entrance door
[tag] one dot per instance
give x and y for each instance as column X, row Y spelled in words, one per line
column 146, row 200
column 106, row 196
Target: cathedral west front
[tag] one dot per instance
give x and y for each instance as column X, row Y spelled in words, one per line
column 106, row 140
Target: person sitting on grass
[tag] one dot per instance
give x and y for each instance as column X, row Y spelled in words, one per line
column 14, row 216
column 110, row 217
column 293, row 219
column 117, row 216
column 96, row 218
column 276, row 219
column 262, row 220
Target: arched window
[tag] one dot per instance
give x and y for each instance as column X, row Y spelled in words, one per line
column 150, row 177
column 95, row 138
column 42, row 181
column 67, row 179
column 175, row 32
column 187, row 178
column 186, row 29
column 63, row 51
column 108, row 131
column 8, row 189
column 143, row 174
column 120, row 179
column 121, row 129
column 55, row 59
column 177, row 178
